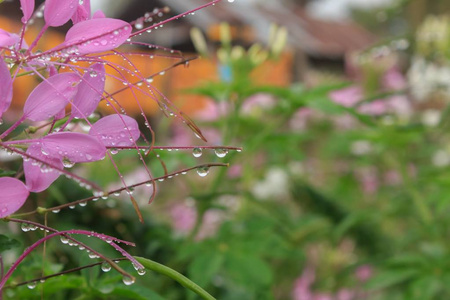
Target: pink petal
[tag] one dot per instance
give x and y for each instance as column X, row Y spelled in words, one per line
column 6, row 87
column 83, row 12
column 98, row 15
column 74, row 147
column 116, row 130
column 27, row 7
column 100, row 35
column 7, row 39
column 51, row 96
column 39, row 177
column 13, row 195
column 90, row 92
column 58, row 12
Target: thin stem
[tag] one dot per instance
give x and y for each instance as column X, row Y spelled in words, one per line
column 181, row 279
column 10, row 129
column 60, row 273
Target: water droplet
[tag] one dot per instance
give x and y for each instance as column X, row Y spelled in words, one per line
column 114, row 151
column 202, row 171
column 92, row 255
column 64, row 240
column 141, row 271
column 67, row 163
column 32, row 285
column 82, row 204
column 221, row 152
column 197, row 152
column 128, row 280
column 93, row 73
column 106, row 267
column 55, row 211
column 25, row 227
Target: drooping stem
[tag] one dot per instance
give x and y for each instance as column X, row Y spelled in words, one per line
column 181, row 279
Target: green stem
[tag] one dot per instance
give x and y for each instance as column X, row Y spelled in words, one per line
column 181, row 279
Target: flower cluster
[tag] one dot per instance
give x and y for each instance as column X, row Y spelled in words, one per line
column 74, row 74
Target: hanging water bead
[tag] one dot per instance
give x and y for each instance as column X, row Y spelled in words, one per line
column 128, row 280
column 106, row 267
column 202, row 171
column 141, row 271
column 67, row 163
column 221, row 152
column 64, row 240
column 197, row 152
column 32, row 285
column 25, row 227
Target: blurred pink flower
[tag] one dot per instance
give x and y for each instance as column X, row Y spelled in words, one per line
column 212, row 111
column 302, row 285
column 348, row 96
column 393, row 79
column 255, row 103
column 364, row 273
column 374, row 108
column 235, row 171
column 183, row 217
column 300, row 119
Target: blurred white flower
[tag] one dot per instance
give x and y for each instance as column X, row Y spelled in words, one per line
column 361, row 147
column 441, row 158
column 431, row 117
column 274, row 186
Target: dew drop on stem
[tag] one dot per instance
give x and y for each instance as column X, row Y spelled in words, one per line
column 197, row 152
column 106, row 267
column 128, row 280
column 221, row 152
column 202, row 171
column 31, row 285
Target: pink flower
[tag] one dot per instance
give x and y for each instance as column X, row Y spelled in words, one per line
column 13, row 195
column 347, row 97
column 364, row 273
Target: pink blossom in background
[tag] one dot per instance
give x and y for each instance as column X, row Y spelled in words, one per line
column 393, row 79
column 400, row 105
column 364, row 273
column 255, row 103
column 373, row 108
column 183, row 217
column 235, row 171
column 348, row 96
column 212, row 111
column 368, row 180
column 392, row 178
column 302, row 285
column 300, row 119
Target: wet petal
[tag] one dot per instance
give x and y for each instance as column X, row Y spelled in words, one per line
column 6, row 88
column 100, row 35
column 116, row 130
column 51, row 96
column 83, row 12
column 13, row 195
column 39, row 177
column 8, row 39
column 90, row 92
column 74, row 147
column 27, row 7
column 58, row 12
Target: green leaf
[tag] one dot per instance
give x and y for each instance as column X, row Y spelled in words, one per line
column 205, row 266
column 6, row 243
column 248, row 269
column 391, row 278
